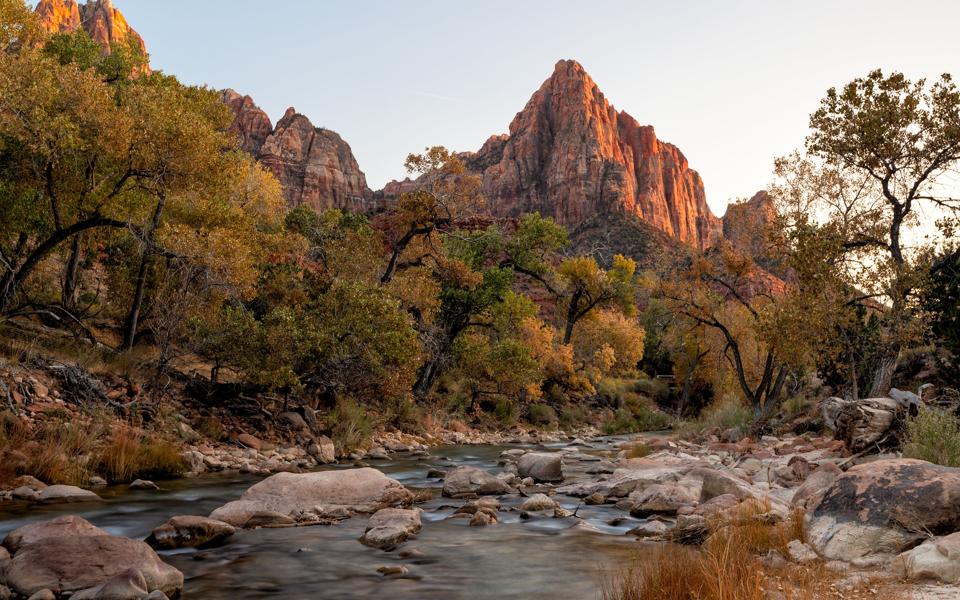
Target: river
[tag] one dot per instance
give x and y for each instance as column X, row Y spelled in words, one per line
column 537, row 558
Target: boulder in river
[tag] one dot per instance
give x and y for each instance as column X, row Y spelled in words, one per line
column 63, row 494
column 363, row 490
column 390, row 527
column 189, row 532
column 538, row 502
column 71, row 563
column 542, row 467
column 129, row 585
column 471, row 480
column 66, row 526
column 876, row 510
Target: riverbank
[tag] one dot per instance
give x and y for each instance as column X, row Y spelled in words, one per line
column 544, row 534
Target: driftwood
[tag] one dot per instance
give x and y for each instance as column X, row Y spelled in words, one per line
column 80, row 387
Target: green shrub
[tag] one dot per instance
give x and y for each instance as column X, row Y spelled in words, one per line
column 934, row 436
column 641, row 418
column 506, row 411
column 542, row 415
column 727, row 413
column 796, row 406
column 352, row 427
column 653, row 388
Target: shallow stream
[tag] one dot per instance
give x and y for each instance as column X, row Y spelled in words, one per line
column 538, row 558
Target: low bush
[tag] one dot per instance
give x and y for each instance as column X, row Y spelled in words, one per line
column 727, row 413
column 352, row 426
column 934, row 435
column 542, row 415
column 728, row 567
column 636, row 419
column 506, row 412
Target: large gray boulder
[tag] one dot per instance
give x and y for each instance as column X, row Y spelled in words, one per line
column 876, row 510
column 66, row 526
column 361, row 491
column 189, row 532
column 542, row 467
column 390, row 527
column 816, row 484
column 74, row 563
column 464, row 481
column 661, row 499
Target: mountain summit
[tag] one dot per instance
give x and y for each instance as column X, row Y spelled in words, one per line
column 102, row 22
column 571, row 155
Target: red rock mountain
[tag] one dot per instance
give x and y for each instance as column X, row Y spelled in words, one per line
column 314, row 165
column 571, row 155
column 102, row 22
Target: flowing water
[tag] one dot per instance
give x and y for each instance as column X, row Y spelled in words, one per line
column 538, row 558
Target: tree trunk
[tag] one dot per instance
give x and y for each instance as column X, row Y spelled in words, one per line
column 571, row 317
column 133, row 317
column 10, row 285
column 68, row 295
column 883, row 376
column 854, row 377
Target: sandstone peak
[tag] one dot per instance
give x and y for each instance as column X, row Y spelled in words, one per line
column 571, row 155
column 103, row 23
column 251, row 124
column 315, row 166
column 59, row 16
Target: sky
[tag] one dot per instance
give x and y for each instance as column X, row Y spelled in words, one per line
column 731, row 83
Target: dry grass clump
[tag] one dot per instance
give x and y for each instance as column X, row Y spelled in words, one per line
column 637, row 450
column 130, row 454
column 728, row 566
column 68, row 452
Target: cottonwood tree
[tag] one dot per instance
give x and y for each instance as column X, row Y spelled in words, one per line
column 760, row 331
column 444, row 193
column 587, row 287
column 876, row 159
column 68, row 162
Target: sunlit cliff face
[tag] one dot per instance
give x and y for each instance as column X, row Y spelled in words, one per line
column 102, row 22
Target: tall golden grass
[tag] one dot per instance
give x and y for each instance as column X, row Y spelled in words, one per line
column 62, row 451
column 727, row 567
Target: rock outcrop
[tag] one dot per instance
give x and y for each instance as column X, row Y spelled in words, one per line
column 571, row 155
column 315, row 166
column 748, row 226
column 103, row 23
column 876, row 510
column 59, row 16
column 251, row 124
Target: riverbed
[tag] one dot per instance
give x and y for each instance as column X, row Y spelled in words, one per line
column 516, row 558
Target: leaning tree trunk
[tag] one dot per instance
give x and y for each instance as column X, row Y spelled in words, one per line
column 68, row 296
column 133, row 317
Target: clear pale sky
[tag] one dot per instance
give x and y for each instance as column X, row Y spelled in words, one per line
column 730, row 82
